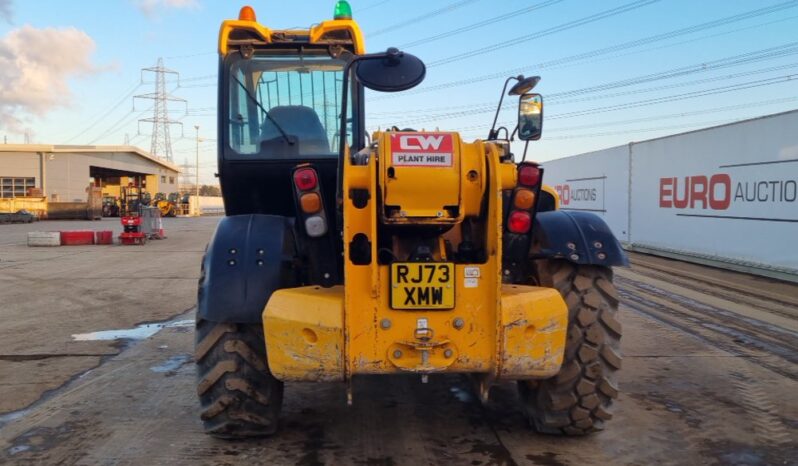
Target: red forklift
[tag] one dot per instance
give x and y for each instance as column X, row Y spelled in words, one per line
column 131, row 202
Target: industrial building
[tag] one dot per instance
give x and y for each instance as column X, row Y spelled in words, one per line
column 64, row 173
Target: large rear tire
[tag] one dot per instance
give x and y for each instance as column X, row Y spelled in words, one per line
column 578, row 400
column 239, row 396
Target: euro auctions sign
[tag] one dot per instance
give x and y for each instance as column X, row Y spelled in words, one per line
column 725, row 191
column 421, row 149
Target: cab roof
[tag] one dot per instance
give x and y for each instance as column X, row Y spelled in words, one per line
column 247, row 31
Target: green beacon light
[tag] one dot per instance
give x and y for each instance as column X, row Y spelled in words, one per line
column 342, row 10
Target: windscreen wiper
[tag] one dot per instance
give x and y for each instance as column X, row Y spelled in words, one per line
column 265, row 112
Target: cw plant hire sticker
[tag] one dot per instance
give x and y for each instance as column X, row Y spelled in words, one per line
column 421, row 150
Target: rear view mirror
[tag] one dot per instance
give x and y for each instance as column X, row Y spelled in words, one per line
column 530, row 117
column 392, row 71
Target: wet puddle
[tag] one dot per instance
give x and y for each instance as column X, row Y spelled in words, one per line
column 172, row 364
column 41, row 438
column 18, row 449
column 139, row 332
column 13, row 416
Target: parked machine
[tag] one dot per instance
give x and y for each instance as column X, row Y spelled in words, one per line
column 110, row 206
column 166, row 204
column 416, row 252
column 130, row 211
column 20, row 216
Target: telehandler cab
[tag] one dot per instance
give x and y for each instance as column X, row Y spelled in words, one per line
column 415, row 252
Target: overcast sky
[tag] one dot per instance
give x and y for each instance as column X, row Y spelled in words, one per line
column 613, row 71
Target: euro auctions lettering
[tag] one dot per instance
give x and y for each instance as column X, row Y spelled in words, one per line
column 720, row 191
column 568, row 194
column 421, row 150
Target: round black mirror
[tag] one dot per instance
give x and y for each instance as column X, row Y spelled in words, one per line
column 392, row 71
column 524, row 85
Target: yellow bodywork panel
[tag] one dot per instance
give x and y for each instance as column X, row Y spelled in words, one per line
column 422, row 176
column 305, row 336
column 553, row 192
column 535, row 322
column 508, row 332
column 325, row 29
column 304, row 331
column 431, row 177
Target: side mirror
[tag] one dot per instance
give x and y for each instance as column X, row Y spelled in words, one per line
column 392, row 71
column 530, row 117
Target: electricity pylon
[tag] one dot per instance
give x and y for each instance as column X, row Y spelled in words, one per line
column 161, row 145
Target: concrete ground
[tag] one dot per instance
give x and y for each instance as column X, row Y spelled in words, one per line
column 49, row 294
column 709, row 373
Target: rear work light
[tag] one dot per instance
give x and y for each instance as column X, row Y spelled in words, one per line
column 529, row 175
column 524, row 199
column 305, row 179
column 519, row 222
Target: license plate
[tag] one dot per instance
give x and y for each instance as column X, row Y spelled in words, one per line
column 422, row 285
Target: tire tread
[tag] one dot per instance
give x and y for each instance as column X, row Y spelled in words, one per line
column 578, row 400
column 239, row 397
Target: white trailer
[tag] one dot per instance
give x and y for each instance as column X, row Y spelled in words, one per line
column 726, row 195
column 594, row 182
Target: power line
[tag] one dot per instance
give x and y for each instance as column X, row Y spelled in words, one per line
column 545, row 32
column 576, row 59
column 684, row 84
column 677, row 115
column 105, row 114
column 197, row 78
column 713, row 65
column 136, row 137
column 190, row 55
column 760, row 103
column 657, row 100
column 195, row 110
column 480, row 129
column 424, row 16
column 559, row 97
column 373, row 5
column 769, row 53
column 702, row 124
column 676, row 97
column 687, row 30
column 480, row 24
column 126, row 118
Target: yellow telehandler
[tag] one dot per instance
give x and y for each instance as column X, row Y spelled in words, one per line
column 167, row 205
column 412, row 252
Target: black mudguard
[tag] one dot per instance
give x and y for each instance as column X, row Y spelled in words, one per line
column 248, row 258
column 580, row 237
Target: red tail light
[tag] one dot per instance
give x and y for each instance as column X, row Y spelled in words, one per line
column 305, row 179
column 529, row 175
column 519, row 222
